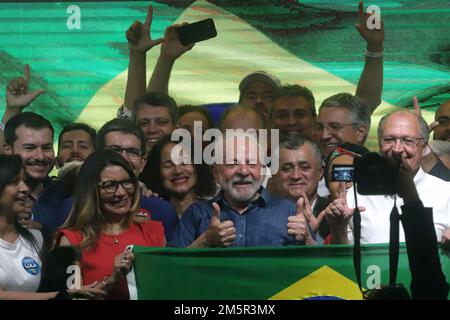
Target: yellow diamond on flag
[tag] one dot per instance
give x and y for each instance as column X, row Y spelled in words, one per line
column 324, row 283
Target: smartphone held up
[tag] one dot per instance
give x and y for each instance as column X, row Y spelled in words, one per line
column 197, row 31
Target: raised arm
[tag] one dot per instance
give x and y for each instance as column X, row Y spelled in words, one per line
column 171, row 50
column 139, row 42
column 370, row 85
column 18, row 97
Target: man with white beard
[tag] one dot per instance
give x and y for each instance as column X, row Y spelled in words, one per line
column 243, row 213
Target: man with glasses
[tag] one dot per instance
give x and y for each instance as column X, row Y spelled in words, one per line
column 126, row 138
column 342, row 117
column 402, row 135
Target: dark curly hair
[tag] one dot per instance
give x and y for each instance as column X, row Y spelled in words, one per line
column 151, row 175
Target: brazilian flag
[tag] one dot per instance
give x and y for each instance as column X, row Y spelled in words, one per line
column 286, row 273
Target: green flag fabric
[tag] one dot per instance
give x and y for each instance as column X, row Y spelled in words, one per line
column 287, row 273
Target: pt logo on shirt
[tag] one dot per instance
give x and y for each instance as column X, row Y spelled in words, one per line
column 31, row 266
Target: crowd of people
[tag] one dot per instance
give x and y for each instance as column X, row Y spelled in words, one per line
column 124, row 185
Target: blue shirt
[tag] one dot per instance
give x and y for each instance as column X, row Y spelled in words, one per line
column 263, row 223
column 47, row 207
column 152, row 208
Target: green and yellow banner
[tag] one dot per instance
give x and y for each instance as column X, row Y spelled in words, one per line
column 287, row 273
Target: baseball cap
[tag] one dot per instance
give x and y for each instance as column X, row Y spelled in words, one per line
column 259, row 76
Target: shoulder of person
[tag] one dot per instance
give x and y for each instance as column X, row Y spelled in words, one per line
column 149, row 225
column 154, row 201
column 75, row 237
column 152, row 228
column 37, row 234
column 440, row 186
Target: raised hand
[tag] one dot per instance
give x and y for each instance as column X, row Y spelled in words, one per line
column 297, row 225
column 417, row 111
column 18, row 95
column 338, row 215
column 219, row 234
column 338, row 208
column 139, row 35
column 313, row 221
column 171, row 47
column 374, row 37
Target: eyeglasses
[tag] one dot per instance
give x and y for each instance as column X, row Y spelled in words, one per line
column 111, row 186
column 406, row 141
column 131, row 152
column 332, row 126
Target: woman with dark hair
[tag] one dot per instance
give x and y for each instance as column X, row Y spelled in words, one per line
column 21, row 249
column 103, row 224
column 177, row 180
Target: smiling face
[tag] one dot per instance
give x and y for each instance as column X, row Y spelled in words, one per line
column 402, row 125
column 335, row 127
column 14, row 198
column 116, row 191
column 155, row 121
column 179, row 179
column 292, row 114
column 75, row 145
column 35, row 147
column 240, row 175
column 300, row 171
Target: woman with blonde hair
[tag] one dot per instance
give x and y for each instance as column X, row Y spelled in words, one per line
column 102, row 222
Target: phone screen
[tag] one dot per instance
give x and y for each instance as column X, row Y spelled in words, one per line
column 197, row 31
column 343, row 173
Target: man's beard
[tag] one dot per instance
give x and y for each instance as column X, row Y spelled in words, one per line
column 239, row 195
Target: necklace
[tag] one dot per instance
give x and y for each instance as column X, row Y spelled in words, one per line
column 113, row 236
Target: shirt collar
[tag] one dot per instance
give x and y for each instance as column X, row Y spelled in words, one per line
column 420, row 177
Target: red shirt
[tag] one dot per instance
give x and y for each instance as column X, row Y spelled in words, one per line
column 97, row 263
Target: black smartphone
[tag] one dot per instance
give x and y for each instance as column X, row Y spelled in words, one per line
column 197, row 31
column 342, row 172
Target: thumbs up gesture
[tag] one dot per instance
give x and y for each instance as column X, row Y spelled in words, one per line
column 298, row 224
column 219, row 234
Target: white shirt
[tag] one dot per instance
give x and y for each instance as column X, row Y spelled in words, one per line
column 20, row 265
column 375, row 224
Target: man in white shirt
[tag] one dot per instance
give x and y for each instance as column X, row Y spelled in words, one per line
column 401, row 134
